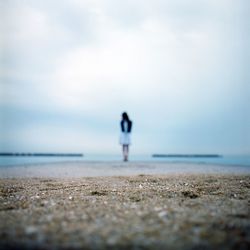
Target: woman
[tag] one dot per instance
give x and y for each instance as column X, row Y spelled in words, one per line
column 126, row 127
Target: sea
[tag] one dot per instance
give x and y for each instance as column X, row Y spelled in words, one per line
column 225, row 160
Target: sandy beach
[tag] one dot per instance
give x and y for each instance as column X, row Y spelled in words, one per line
column 195, row 210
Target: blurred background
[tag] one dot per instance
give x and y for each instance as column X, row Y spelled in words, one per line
column 179, row 68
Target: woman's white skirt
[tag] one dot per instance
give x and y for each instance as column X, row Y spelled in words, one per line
column 125, row 138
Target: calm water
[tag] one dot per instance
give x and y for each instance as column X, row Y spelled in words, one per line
column 225, row 160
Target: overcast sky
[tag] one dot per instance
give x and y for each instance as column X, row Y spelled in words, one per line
column 180, row 68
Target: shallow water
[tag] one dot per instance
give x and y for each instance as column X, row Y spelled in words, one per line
column 93, row 169
column 243, row 160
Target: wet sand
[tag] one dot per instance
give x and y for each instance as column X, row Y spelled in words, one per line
column 116, row 168
column 171, row 211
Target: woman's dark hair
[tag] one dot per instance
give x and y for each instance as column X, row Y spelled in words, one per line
column 125, row 116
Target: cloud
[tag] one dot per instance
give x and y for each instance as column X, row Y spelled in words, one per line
column 174, row 65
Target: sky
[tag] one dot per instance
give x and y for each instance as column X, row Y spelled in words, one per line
column 180, row 68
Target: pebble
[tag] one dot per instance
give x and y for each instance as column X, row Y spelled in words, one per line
column 52, row 203
column 112, row 240
column 162, row 214
column 44, row 203
column 31, row 230
column 157, row 209
column 49, row 218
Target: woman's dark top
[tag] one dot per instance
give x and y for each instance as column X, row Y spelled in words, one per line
column 129, row 126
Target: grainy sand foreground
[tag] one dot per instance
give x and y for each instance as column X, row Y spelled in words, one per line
column 175, row 211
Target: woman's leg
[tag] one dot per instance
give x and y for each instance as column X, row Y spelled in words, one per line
column 125, row 152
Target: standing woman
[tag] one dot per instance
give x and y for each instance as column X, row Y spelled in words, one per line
column 126, row 127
